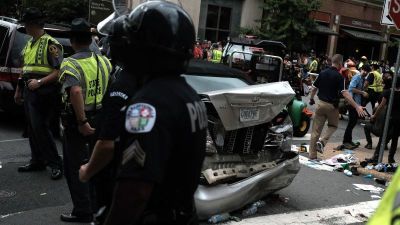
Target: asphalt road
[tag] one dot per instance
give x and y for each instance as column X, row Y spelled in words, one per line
column 33, row 198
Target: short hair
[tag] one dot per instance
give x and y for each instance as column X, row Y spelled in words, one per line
column 337, row 59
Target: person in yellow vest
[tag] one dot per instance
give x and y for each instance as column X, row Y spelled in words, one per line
column 216, row 54
column 313, row 67
column 374, row 86
column 37, row 89
column 84, row 77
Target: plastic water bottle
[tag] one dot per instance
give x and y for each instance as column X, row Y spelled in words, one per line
column 219, row 218
column 348, row 173
column 259, row 204
column 369, row 176
column 250, row 211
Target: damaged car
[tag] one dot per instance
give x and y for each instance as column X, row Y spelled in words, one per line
column 249, row 138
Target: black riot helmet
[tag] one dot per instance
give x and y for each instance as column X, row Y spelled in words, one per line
column 156, row 37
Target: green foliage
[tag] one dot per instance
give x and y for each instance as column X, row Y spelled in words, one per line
column 57, row 11
column 61, row 11
column 288, row 21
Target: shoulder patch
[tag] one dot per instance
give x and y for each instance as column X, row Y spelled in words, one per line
column 140, row 118
column 53, row 49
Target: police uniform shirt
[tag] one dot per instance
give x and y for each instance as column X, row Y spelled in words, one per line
column 330, row 84
column 164, row 142
column 54, row 54
column 116, row 97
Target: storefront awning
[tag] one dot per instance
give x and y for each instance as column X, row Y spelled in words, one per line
column 324, row 30
column 364, row 35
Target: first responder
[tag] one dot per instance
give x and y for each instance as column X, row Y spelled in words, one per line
column 42, row 57
column 165, row 122
column 374, row 86
column 216, row 53
column 84, row 77
column 101, row 165
column 313, row 67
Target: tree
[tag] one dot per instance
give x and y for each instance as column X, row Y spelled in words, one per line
column 288, row 21
column 56, row 11
column 60, row 11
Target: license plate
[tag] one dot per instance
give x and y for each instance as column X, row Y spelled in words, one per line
column 249, row 114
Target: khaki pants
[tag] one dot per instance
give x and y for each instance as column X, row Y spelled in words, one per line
column 325, row 111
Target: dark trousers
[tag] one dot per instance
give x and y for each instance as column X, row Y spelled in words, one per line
column 40, row 110
column 353, row 118
column 76, row 152
column 394, row 136
column 373, row 97
column 368, row 130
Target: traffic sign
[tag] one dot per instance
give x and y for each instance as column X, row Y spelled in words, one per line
column 394, row 12
column 385, row 18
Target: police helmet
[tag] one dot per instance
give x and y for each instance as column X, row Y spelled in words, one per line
column 157, row 36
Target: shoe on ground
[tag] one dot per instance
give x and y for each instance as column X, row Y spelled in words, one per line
column 76, row 219
column 368, row 146
column 371, row 160
column 56, row 173
column 349, row 146
column 30, row 167
column 357, row 143
column 391, row 161
column 320, row 147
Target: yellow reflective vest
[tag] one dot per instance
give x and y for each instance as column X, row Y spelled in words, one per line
column 377, row 86
column 313, row 66
column 388, row 211
column 35, row 56
column 86, row 70
column 216, row 56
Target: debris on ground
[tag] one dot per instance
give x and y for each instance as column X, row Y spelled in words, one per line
column 224, row 217
column 315, row 164
column 375, row 197
column 369, row 176
column 43, row 194
column 340, row 159
column 368, row 187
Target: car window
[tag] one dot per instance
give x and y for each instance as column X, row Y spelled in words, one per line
column 238, row 49
column 18, row 45
column 203, row 84
column 4, row 43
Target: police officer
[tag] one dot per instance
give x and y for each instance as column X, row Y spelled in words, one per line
column 84, row 77
column 101, row 165
column 42, row 57
column 162, row 146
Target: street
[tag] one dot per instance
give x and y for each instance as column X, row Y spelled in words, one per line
column 314, row 197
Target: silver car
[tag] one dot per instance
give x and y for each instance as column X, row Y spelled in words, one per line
column 248, row 153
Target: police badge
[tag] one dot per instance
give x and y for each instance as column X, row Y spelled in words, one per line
column 140, row 118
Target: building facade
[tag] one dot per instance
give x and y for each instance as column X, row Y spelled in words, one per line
column 349, row 27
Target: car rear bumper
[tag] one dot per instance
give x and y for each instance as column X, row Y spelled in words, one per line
column 212, row 200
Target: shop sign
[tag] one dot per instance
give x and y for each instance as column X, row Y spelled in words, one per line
column 352, row 22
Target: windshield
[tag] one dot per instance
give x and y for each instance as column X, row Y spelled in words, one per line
column 203, row 84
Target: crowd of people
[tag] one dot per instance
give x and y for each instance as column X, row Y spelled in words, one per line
column 347, row 87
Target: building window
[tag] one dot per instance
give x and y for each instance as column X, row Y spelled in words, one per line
column 218, row 24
